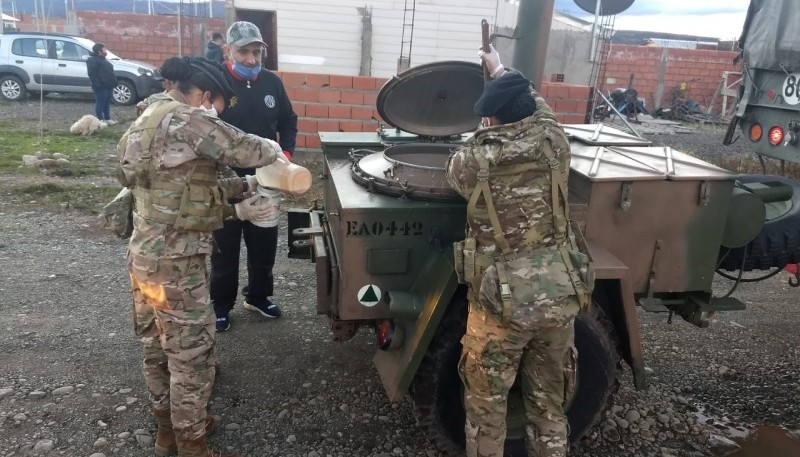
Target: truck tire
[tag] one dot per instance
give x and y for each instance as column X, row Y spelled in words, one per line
column 437, row 392
column 778, row 242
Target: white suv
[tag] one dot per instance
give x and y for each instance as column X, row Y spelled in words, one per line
column 33, row 62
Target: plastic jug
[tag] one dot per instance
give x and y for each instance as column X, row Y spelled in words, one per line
column 290, row 177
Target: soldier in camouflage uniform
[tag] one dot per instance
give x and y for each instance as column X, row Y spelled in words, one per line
column 523, row 271
column 171, row 157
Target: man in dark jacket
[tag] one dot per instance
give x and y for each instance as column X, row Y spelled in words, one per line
column 214, row 48
column 103, row 80
column 261, row 107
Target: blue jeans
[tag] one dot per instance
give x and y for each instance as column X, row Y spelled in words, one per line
column 102, row 103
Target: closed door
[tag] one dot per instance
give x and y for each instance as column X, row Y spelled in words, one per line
column 30, row 54
column 70, row 65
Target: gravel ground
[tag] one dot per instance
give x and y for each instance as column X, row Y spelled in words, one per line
column 71, row 385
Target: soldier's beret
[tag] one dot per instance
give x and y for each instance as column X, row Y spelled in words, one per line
column 500, row 92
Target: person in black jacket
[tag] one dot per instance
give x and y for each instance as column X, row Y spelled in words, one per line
column 214, row 48
column 261, row 107
column 103, row 80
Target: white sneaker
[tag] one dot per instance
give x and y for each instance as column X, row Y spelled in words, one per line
column 110, row 121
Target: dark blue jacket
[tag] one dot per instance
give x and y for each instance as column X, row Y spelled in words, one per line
column 101, row 72
column 214, row 52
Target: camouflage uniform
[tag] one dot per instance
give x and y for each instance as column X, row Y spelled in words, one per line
column 522, row 271
column 175, row 215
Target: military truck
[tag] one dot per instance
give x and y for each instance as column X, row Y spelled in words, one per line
column 767, row 115
column 658, row 224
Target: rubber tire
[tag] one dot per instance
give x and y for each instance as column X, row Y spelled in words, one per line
column 12, row 79
column 438, row 405
column 118, row 93
column 778, row 242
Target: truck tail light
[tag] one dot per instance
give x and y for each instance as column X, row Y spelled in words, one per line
column 388, row 336
column 775, row 135
column 756, row 132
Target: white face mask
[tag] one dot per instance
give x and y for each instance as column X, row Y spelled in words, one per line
column 209, row 111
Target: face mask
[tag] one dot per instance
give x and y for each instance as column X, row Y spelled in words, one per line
column 246, row 72
column 209, row 111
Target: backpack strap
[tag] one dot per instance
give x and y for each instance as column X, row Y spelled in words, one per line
column 482, row 189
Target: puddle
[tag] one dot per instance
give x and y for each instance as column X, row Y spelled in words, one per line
column 723, row 426
column 768, row 442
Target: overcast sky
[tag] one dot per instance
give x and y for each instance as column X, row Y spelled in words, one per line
column 711, row 18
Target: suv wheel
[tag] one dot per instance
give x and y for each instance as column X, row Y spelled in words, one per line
column 124, row 94
column 12, row 88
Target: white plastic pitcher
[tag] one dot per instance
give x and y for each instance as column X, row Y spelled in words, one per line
column 291, row 178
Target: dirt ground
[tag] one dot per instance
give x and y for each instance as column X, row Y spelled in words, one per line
column 71, row 385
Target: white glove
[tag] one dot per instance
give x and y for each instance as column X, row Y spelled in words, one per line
column 492, row 61
column 252, row 182
column 253, row 208
column 282, row 157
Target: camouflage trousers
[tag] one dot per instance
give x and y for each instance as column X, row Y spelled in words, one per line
column 174, row 321
column 492, row 355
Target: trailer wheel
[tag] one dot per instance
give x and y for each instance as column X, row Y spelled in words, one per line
column 778, row 242
column 437, row 392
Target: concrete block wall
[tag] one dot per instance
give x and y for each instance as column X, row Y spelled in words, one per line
column 658, row 71
column 335, row 103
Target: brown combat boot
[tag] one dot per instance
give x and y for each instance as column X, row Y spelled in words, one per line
column 165, row 436
column 198, row 448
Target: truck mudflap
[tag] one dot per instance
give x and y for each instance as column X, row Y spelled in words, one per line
column 433, row 288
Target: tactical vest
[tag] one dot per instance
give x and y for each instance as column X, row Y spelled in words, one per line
column 471, row 264
column 194, row 204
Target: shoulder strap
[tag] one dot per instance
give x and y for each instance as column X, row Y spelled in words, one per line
column 147, row 123
column 558, row 188
column 482, row 188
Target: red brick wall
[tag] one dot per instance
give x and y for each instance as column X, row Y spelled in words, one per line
column 151, row 39
column 143, row 37
column 568, row 101
column 701, row 69
column 28, row 23
column 334, row 103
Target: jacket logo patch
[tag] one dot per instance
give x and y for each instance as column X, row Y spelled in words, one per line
column 269, row 100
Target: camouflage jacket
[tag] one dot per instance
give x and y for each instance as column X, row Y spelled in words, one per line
column 522, row 199
column 183, row 138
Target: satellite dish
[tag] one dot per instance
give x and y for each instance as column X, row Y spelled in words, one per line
column 607, row 7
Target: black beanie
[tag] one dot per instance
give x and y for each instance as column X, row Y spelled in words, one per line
column 500, row 93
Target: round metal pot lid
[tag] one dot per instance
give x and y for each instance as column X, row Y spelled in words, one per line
column 434, row 99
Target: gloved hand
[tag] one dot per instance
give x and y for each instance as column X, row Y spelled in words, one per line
column 492, row 61
column 253, row 208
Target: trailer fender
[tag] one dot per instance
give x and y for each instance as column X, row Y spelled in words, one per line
column 430, row 294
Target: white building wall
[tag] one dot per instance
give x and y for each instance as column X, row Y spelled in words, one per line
column 324, row 36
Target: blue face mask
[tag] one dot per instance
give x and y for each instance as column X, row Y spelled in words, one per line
column 245, row 72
